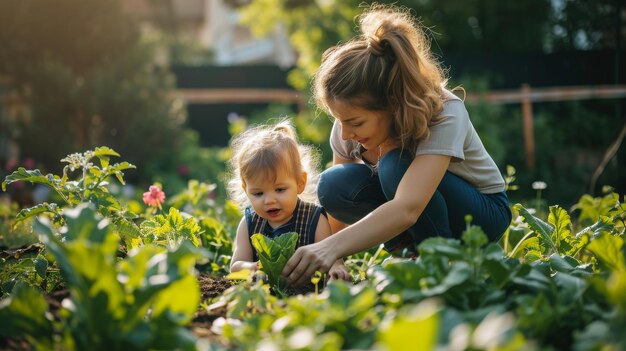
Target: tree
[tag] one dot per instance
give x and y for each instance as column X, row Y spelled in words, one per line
column 588, row 25
column 87, row 80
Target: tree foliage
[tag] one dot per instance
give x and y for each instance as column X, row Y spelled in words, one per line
column 586, row 25
column 86, row 79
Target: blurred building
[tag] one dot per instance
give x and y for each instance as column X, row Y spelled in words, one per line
column 214, row 24
column 244, row 74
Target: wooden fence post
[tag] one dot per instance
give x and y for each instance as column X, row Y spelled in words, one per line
column 529, row 135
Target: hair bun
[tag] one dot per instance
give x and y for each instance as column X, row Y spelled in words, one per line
column 377, row 47
column 286, row 128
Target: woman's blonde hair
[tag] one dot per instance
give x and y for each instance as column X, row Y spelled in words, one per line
column 389, row 67
column 265, row 150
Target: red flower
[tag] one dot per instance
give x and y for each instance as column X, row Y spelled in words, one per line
column 154, row 196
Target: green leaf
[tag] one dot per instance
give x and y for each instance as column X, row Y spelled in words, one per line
column 608, row 249
column 424, row 318
column 35, row 210
column 105, row 151
column 26, row 310
column 474, row 237
column 540, row 227
column 41, row 266
column 560, row 220
column 172, row 229
column 274, row 254
column 604, row 224
column 33, row 176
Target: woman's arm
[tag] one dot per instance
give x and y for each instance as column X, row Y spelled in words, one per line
column 338, row 270
column 242, row 255
column 390, row 219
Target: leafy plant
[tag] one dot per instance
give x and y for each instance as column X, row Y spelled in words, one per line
column 217, row 223
column 170, row 230
column 274, row 254
column 90, row 185
column 556, row 236
column 134, row 303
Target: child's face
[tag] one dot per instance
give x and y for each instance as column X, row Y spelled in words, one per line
column 275, row 199
column 368, row 128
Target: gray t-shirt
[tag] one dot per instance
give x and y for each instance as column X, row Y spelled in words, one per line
column 453, row 136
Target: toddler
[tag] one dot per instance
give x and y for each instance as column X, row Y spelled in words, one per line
column 270, row 172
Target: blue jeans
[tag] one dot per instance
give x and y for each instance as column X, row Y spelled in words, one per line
column 350, row 191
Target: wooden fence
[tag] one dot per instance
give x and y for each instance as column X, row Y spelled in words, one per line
column 525, row 96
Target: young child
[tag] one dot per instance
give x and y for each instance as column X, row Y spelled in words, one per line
column 270, row 172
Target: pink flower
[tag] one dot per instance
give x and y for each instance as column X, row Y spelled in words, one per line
column 154, row 196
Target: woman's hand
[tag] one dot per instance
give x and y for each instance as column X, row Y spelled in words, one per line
column 339, row 272
column 308, row 259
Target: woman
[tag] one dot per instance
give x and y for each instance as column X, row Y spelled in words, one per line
column 408, row 163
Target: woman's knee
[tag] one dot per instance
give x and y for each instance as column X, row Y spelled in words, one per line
column 349, row 191
column 391, row 169
column 340, row 184
column 328, row 188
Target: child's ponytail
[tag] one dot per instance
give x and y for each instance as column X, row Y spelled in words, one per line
column 285, row 127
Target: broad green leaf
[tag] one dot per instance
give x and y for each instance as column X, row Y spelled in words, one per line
column 442, row 247
column 41, row 266
column 274, row 254
column 126, row 228
column 604, row 224
column 498, row 270
column 171, row 230
column 616, row 285
column 105, row 151
column 540, row 227
column 118, row 167
column 572, row 288
column 560, row 220
column 33, row 176
column 24, row 315
column 458, row 274
column 169, row 299
column 424, row 321
column 608, row 249
column 35, row 210
column 559, row 264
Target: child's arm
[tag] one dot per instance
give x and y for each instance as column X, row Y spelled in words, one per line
column 242, row 255
column 338, row 269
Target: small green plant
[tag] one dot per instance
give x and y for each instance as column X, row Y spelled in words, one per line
column 274, row 254
column 170, row 230
column 557, row 235
column 82, row 181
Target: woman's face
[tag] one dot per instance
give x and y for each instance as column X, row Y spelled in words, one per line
column 368, row 128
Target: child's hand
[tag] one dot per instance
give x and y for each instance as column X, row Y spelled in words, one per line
column 338, row 271
column 240, row 265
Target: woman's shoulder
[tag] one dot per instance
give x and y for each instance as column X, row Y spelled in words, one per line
column 450, row 96
column 453, row 106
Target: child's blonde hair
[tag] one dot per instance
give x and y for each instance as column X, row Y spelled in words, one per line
column 389, row 67
column 263, row 151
